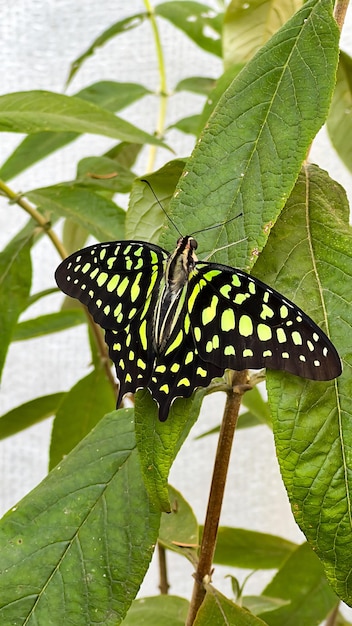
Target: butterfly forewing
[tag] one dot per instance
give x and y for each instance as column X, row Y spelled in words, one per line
column 113, row 280
column 119, row 284
column 239, row 322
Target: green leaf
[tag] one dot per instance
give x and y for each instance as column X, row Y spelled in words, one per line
column 222, row 83
column 254, row 401
column 113, row 95
column 32, row 149
column 74, row 236
column 189, row 125
column 159, row 442
column 145, row 216
column 40, row 294
column 261, row 604
column 251, row 151
column 34, row 111
column 29, row 413
column 124, row 153
column 246, row 420
column 100, row 216
column 196, row 84
column 339, row 122
column 88, row 528
column 258, row 414
column 104, row 173
column 249, row 549
column 107, row 94
column 89, row 399
column 179, row 530
column 308, row 258
column 157, row 611
column 218, row 610
column 116, row 29
column 15, row 284
column 47, row 324
column 301, row 580
column 249, row 25
column 198, row 21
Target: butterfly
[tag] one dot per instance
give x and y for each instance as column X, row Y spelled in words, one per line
column 172, row 322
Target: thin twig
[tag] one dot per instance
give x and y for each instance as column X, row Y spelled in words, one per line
column 206, row 554
column 332, row 619
column 340, row 10
column 38, row 217
column 163, row 585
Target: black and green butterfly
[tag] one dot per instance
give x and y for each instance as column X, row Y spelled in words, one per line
column 172, row 323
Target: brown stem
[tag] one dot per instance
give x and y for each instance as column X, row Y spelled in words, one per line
column 163, row 585
column 332, row 619
column 38, row 217
column 206, row 554
column 340, row 9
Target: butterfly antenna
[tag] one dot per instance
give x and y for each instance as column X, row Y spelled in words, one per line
column 202, row 230
column 144, row 180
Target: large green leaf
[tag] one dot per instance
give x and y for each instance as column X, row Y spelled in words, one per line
column 76, row 549
column 250, row 153
column 179, row 530
column 34, row 111
column 47, row 324
column 198, row 21
column 308, row 257
column 159, row 442
column 88, row 400
column 301, row 580
column 249, row 25
column 339, row 122
column 98, row 215
column 15, row 284
column 157, row 611
column 29, row 413
column 104, row 173
column 145, row 215
column 238, row 547
column 107, row 94
column 218, row 610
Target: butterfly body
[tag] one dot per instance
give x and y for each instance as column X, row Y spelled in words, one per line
column 172, row 322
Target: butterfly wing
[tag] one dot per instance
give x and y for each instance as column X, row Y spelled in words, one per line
column 239, row 322
column 119, row 282
column 179, row 369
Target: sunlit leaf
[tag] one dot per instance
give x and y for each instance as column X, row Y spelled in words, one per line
column 29, row 413
column 88, row 527
column 15, row 284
